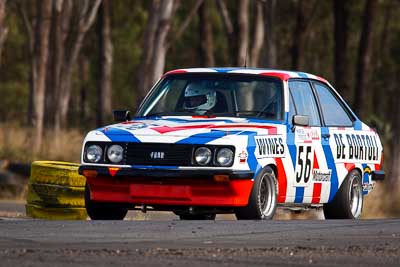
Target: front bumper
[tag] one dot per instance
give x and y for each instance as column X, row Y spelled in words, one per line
column 378, row 175
column 169, row 187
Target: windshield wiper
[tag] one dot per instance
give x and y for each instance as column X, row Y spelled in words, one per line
column 158, row 114
column 257, row 113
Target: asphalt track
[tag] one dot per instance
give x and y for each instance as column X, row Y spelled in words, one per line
column 27, row 242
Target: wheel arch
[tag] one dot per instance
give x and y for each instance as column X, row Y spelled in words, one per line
column 355, row 168
column 274, row 168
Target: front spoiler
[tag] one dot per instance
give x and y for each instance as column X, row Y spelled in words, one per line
column 171, row 187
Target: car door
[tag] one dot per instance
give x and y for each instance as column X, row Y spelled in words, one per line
column 337, row 127
column 304, row 142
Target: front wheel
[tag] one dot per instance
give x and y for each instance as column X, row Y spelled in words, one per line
column 263, row 198
column 348, row 202
column 102, row 211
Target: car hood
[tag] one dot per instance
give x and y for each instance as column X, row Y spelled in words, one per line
column 182, row 129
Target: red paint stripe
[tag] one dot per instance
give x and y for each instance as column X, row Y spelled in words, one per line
column 317, row 186
column 174, row 72
column 316, row 165
column 321, row 79
column 280, row 75
column 316, row 198
column 203, row 117
column 282, row 181
column 167, row 129
column 349, row 166
column 377, row 167
column 308, row 141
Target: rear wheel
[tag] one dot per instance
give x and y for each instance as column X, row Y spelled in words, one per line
column 263, row 198
column 102, row 211
column 348, row 202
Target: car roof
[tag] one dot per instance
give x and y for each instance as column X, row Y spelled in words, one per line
column 282, row 74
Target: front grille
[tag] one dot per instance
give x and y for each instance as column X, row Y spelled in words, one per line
column 173, row 154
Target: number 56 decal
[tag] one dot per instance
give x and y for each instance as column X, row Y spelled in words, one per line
column 304, row 164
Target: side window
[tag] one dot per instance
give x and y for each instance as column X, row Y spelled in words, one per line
column 332, row 111
column 292, row 108
column 304, row 101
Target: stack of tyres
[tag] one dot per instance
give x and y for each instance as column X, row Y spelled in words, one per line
column 56, row 191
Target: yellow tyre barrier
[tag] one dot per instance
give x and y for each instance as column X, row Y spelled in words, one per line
column 56, row 191
column 58, row 173
column 56, row 195
column 59, row 213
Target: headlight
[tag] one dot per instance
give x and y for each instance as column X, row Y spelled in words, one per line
column 115, row 153
column 94, row 153
column 224, row 157
column 202, row 156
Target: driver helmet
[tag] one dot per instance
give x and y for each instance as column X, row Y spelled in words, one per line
column 199, row 97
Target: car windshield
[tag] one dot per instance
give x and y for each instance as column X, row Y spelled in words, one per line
column 230, row 95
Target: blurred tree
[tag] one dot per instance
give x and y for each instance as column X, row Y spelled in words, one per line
column 3, row 27
column 258, row 35
column 242, row 32
column 206, row 35
column 87, row 11
column 104, row 86
column 158, row 40
column 305, row 12
column 39, row 65
column 341, row 10
column 364, row 60
column 229, row 29
column 270, row 42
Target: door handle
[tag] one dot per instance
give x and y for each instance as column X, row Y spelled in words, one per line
column 326, row 136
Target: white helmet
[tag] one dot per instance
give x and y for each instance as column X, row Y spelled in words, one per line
column 199, row 97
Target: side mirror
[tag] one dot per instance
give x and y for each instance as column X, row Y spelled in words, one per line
column 122, row 115
column 301, row 120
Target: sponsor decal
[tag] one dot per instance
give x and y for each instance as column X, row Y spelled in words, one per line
column 242, row 157
column 368, row 170
column 306, row 135
column 355, row 147
column 131, row 125
column 368, row 187
column 270, row 146
column 322, row 175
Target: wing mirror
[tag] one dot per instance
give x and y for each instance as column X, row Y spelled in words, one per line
column 301, row 120
column 122, row 115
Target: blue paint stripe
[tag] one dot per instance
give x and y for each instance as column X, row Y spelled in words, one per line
column 331, row 165
column 119, row 135
column 302, row 74
column 365, row 178
column 251, row 159
column 195, row 120
column 358, row 126
column 225, row 70
column 291, row 146
column 202, row 138
column 299, row 195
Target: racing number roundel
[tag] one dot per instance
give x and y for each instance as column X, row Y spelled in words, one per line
column 304, row 164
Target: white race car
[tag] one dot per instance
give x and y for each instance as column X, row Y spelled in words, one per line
column 233, row 140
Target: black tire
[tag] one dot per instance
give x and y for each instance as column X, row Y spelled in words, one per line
column 348, row 201
column 102, row 211
column 185, row 217
column 263, row 198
